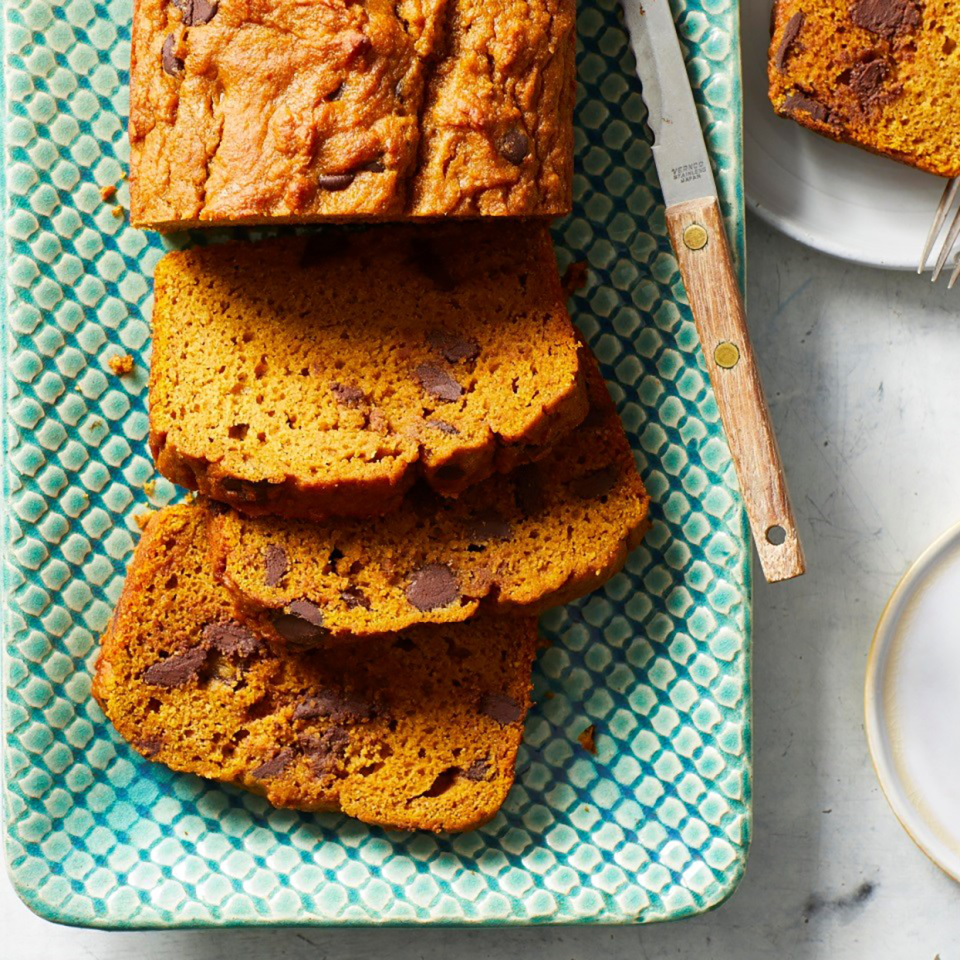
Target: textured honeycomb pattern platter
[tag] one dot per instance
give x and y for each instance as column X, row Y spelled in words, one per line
column 655, row 826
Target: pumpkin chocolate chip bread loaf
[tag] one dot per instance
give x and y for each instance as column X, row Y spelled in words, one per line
column 275, row 111
column 318, row 377
column 412, row 732
column 544, row 535
column 881, row 74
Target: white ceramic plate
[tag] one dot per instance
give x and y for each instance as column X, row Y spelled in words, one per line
column 913, row 702
column 830, row 196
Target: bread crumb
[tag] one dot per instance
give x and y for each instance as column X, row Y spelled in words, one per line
column 121, row 364
column 117, row 212
column 108, row 192
column 149, row 488
column 574, row 277
column 142, row 519
column 587, row 741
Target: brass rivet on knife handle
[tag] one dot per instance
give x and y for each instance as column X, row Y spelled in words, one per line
column 695, row 237
column 717, row 306
column 727, row 355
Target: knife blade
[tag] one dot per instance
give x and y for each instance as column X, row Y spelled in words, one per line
column 679, row 150
column 699, row 240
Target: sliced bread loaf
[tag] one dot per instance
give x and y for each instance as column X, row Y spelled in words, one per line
column 320, row 377
column 412, row 732
column 541, row 536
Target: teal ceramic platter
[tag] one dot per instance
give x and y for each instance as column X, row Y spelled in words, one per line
column 654, row 826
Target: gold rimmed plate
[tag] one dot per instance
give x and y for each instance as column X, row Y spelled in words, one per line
column 912, row 701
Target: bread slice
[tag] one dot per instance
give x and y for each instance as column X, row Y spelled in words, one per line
column 413, row 732
column 541, row 536
column 320, row 377
column 880, row 74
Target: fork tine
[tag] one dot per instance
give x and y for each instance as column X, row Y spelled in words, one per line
column 955, row 275
column 946, row 201
column 948, row 245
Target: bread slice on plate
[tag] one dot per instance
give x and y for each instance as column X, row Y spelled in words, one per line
column 321, row 377
column 412, row 732
column 541, row 536
column 881, row 74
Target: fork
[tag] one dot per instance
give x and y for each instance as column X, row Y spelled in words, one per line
column 953, row 231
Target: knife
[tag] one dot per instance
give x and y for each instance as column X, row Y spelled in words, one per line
column 699, row 241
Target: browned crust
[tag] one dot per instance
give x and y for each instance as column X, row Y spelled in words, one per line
column 842, row 135
column 463, row 88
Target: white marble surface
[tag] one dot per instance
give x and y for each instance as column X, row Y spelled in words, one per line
column 861, row 369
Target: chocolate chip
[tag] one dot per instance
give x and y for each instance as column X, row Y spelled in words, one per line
column 327, row 750
column 500, row 708
column 300, row 623
column 171, row 63
column 438, row 383
column 354, row 598
column 276, row 564
column 452, row 347
column 178, row 669
column 347, row 394
column 489, row 525
column 514, row 146
column 245, row 490
column 195, row 12
column 433, row 586
column 442, row 426
column 339, row 707
column 594, row 485
column 428, row 260
column 307, row 611
column 274, row 766
column 335, row 181
column 867, row 78
column 797, row 101
column 478, row 770
column 148, row 746
column 528, row 488
column 867, row 81
column 231, row 638
column 886, row 17
column 790, row 33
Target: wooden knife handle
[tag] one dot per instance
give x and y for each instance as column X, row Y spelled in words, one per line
column 700, row 241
